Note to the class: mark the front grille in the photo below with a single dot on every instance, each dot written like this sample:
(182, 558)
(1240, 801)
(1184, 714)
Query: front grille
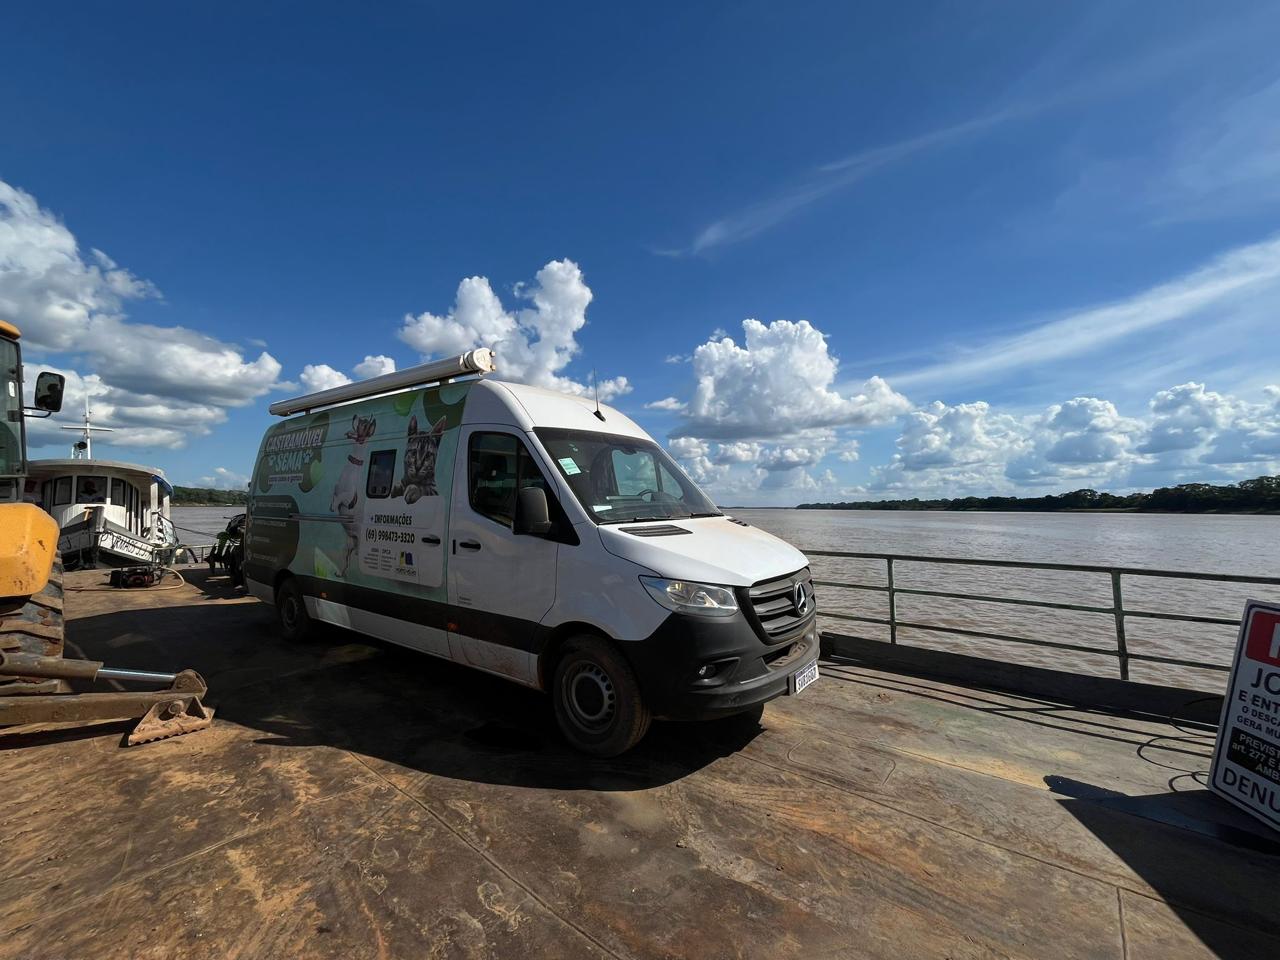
(773, 603)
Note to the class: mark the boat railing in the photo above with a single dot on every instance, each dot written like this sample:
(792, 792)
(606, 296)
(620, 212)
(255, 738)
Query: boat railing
(1117, 610)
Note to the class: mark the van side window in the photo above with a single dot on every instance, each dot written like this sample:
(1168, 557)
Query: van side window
(382, 468)
(500, 465)
(529, 474)
(491, 472)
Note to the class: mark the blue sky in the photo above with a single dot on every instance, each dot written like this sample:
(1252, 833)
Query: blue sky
(986, 247)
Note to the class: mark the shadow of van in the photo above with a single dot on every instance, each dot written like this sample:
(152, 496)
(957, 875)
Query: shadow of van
(354, 693)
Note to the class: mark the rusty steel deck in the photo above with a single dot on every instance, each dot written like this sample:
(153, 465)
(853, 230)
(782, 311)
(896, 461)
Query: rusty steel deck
(356, 800)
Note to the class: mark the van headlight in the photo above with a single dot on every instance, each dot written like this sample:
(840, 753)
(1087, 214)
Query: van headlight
(682, 596)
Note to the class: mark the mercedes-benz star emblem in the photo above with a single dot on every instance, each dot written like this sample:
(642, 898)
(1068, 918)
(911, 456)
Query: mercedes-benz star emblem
(801, 598)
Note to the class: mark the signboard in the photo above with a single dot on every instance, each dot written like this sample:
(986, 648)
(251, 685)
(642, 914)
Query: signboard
(1246, 760)
(126, 546)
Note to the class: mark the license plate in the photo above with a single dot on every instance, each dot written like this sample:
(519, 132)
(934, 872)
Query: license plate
(803, 677)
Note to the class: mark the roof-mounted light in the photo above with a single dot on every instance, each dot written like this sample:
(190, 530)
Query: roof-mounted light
(478, 361)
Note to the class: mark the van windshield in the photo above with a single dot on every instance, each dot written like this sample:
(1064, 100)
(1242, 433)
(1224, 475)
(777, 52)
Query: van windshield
(621, 479)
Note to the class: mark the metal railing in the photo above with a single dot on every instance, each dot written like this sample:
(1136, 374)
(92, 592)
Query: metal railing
(1117, 609)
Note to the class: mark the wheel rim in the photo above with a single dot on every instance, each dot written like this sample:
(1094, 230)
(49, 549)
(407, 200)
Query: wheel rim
(590, 696)
(289, 612)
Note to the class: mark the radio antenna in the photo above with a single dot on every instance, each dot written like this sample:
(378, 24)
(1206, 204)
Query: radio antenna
(595, 385)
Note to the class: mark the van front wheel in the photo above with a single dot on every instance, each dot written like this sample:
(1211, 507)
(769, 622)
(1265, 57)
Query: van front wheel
(597, 699)
(291, 611)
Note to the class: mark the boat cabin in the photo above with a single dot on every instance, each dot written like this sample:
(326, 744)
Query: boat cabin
(116, 507)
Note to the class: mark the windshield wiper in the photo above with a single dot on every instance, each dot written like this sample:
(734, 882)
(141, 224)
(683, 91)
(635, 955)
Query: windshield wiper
(694, 516)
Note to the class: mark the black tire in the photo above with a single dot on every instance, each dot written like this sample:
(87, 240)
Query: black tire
(597, 700)
(295, 623)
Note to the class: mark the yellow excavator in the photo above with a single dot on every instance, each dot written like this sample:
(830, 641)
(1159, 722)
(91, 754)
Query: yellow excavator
(36, 680)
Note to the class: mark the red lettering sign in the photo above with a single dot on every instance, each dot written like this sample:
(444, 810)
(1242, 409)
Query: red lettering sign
(1264, 638)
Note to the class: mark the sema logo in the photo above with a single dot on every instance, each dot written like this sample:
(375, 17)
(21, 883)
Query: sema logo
(1264, 639)
(291, 454)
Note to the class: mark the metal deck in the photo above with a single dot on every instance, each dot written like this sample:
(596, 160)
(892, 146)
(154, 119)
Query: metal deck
(356, 800)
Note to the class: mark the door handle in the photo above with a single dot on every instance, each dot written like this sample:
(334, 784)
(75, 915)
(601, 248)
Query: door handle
(469, 544)
(431, 539)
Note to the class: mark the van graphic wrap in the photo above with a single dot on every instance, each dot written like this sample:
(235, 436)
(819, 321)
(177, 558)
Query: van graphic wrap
(291, 454)
(367, 504)
(273, 538)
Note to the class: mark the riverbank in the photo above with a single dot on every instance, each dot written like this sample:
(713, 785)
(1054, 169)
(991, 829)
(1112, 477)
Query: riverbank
(1259, 495)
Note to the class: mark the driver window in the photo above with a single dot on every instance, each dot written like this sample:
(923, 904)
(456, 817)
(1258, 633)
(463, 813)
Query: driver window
(492, 472)
(499, 465)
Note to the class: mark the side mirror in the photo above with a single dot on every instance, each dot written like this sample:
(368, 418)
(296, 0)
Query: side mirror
(533, 516)
(49, 386)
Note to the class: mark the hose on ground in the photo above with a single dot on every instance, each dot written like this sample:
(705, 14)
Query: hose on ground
(182, 581)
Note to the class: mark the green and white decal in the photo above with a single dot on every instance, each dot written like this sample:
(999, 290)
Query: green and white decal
(359, 494)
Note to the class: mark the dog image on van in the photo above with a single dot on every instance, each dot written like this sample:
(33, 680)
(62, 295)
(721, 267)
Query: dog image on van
(346, 492)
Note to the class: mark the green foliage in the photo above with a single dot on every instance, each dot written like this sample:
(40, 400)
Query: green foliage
(1260, 495)
(205, 497)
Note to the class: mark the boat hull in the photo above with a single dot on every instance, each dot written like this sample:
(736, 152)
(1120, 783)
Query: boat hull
(87, 543)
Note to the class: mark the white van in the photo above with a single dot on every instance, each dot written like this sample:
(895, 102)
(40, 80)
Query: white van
(530, 534)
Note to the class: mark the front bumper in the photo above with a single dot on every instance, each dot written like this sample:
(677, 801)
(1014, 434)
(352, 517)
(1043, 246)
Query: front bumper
(748, 671)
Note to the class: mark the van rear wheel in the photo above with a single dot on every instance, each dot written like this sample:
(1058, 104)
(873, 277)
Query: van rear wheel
(597, 699)
(291, 611)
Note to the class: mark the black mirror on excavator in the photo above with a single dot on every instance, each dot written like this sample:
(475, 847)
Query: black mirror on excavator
(49, 387)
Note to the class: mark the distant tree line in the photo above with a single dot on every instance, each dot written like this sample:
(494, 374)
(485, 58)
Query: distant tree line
(207, 497)
(1259, 495)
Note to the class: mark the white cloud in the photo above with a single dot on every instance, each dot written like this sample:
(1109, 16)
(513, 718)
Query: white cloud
(533, 344)
(766, 414)
(374, 366)
(848, 452)
(66, 304)
(739, 451)
(1243, 272)
(1084, 441)
(1192, 424)
(678, 358)
(224, 479)
(780, 458)
(320, 376)
(1189, 433)
(136, 420)
(1186, 417)
(763, 215)
(667, 403)
(157, 384)
(778, 383)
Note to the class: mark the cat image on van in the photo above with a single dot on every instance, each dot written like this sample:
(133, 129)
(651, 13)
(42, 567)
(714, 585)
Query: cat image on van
(420, 451)
(346, 492)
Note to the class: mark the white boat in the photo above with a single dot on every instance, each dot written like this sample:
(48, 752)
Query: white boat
(109, 512)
